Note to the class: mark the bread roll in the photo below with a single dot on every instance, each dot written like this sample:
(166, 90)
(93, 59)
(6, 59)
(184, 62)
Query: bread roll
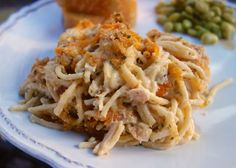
(97, 10)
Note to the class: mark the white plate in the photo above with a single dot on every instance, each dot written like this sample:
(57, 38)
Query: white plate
(32, 33)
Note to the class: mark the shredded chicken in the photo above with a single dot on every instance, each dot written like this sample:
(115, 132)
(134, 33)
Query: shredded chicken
(140, 131)
(138, 95)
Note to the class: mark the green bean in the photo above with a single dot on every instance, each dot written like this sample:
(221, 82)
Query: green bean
(187, 24)
(217, 10)
(211, 14)
(219, 4)
(227, 35)
(217, 31)
(159, 6)
(198, 27)
(178, 27)
(234, 23)
(174, 17)
(161, 19)
(200, 30)
(201, 6)
(186, 15)
(205, 17)
(227, 30)
(212, 26)
(197, 21)
(180, 4)
(168, 27)
(165, 10)
(192, 32)
(189, 9)
(228, 17)
(209, 38)
(216, 19)
(229, 10)
(227, 26)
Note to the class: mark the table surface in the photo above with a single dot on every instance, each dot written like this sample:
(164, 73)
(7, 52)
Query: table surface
(13, 157)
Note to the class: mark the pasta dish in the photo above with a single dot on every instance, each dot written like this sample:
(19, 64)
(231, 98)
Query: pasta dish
(119, 88)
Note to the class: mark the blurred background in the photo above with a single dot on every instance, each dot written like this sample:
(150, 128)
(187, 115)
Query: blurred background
(11, 157)
(9, 6)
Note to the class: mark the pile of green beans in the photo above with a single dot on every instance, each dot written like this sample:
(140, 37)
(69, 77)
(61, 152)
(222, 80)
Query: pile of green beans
(208, 20)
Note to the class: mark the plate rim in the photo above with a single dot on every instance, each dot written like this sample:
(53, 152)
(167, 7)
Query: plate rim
(25, 146)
